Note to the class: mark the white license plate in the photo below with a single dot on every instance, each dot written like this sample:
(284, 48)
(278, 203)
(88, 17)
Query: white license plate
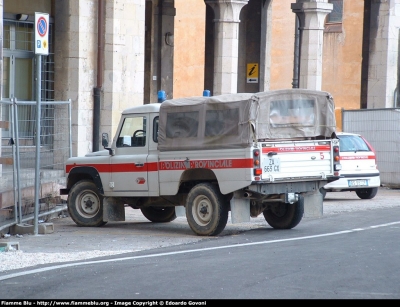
(358, 183)
(271, 165)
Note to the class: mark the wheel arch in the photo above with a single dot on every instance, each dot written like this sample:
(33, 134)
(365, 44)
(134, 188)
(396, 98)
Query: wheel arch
(202, 175)
(85, 172)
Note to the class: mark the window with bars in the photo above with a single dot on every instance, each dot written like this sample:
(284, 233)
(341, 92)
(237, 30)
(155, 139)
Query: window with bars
(19, 71)
(336, 15)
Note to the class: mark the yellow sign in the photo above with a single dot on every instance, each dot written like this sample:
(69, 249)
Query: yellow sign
(252, 73)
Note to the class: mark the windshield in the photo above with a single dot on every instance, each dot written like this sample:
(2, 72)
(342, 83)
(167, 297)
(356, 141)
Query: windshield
(350, 143)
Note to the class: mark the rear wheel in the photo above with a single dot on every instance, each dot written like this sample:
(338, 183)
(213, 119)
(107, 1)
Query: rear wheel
(85, 204)
(285, 216)
(367, 193)
(159, 214)
(206, 210)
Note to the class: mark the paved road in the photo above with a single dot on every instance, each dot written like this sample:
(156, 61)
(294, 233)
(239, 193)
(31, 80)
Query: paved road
(350, 255)
(69, 242)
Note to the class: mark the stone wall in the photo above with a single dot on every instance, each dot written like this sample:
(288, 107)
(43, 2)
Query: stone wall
(76, 53)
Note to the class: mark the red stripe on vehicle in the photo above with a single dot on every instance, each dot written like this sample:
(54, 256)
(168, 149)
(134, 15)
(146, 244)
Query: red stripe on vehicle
(311, 148)
(152, 167)
(209, 164)
(357, 157)
(167, 165)
(116, 168)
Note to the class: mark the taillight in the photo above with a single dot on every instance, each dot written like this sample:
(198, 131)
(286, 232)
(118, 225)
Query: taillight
(336, 156)
(257, 172)
(257, 163)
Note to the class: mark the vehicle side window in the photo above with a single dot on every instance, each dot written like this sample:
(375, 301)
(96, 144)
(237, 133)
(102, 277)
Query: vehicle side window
(133, 132)
(155, 130)
(182, 125)
(222, 122)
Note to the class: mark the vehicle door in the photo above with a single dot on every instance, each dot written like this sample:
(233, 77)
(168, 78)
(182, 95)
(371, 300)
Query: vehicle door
(129, 168)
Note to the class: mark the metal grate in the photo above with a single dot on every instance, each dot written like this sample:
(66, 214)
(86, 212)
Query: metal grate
(19, 43)
(18, 157)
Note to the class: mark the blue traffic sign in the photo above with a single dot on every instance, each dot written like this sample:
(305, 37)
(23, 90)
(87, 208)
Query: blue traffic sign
(42, 26)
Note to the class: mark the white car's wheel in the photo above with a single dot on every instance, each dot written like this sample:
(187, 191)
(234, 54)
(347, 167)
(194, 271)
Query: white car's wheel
(367, 193)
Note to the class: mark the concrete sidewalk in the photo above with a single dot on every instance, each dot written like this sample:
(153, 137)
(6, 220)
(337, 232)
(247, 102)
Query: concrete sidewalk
(69, 242)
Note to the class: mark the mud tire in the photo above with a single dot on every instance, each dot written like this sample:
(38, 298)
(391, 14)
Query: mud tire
(285, 216)
(159, 214)
(206, 210)
(85, 204)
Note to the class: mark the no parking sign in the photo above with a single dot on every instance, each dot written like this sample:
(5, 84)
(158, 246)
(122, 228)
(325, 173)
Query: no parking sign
(42, 33)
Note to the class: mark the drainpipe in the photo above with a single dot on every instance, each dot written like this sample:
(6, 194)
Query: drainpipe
(100, 69)
(296, 65)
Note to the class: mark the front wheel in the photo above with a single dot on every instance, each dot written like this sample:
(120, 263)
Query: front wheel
(159, 214)
(285, 216)
(85, 204)
(367, 193)
(206, 210)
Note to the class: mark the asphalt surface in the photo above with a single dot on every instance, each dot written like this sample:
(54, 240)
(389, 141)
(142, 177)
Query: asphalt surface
(69, 242)
(351, 252)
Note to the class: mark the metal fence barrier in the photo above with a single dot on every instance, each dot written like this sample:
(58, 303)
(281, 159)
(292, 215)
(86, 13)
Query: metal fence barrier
(381, 128)
(32, 167)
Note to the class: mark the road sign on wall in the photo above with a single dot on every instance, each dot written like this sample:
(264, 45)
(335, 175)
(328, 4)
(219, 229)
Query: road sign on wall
(42, 33)
(252, 72)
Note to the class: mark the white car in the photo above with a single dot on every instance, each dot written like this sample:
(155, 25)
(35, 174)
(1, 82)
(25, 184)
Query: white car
(359, 169)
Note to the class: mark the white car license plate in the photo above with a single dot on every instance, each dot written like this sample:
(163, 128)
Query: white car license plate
(358, 183)
(271, 165)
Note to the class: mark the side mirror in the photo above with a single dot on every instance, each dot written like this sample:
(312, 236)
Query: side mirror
(104, 140)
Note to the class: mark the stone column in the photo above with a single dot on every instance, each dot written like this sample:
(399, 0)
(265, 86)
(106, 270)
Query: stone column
(312, 15)
(123, 60)
(266, 46)
(226, 44)
(167, 14)
(1, 68)
(76, 57)
(384, 59)
(1, 49)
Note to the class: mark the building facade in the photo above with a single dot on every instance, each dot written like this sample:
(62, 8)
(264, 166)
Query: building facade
(107, 55)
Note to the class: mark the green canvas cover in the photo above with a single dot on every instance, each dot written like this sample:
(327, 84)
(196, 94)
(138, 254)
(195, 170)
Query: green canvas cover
(238, 120)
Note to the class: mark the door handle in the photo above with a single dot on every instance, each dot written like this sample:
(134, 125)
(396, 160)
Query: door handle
(139, 164)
